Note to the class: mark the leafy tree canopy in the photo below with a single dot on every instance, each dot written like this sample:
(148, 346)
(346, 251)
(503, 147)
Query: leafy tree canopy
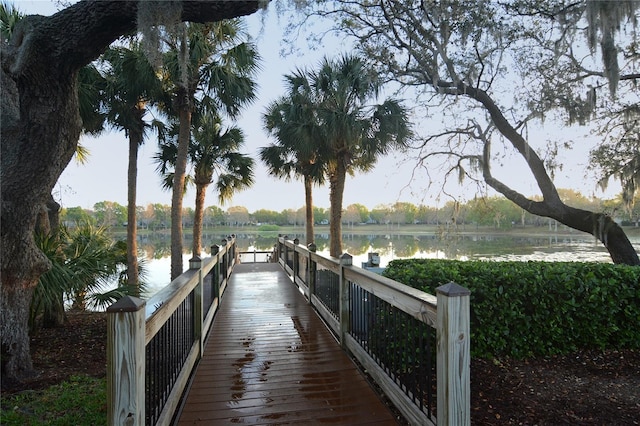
(493, 72)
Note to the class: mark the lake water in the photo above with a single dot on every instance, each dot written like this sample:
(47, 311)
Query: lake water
(555, 248)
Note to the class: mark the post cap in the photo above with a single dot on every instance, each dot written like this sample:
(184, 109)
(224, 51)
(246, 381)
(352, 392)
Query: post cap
(127, 304)
(346, 259)
(195, 262)
(453, 290)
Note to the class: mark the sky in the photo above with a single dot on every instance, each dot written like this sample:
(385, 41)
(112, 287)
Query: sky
(104, 177)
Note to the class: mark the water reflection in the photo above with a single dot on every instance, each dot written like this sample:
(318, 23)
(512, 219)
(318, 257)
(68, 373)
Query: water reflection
(564, 247)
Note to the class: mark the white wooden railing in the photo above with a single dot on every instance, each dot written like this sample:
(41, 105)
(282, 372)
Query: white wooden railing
(363, 309)
(153, 345)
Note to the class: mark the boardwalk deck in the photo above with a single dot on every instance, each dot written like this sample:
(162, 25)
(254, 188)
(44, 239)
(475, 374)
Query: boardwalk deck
(270, 360)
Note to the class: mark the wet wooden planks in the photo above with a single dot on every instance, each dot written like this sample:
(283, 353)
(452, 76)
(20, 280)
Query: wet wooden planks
(270, 360)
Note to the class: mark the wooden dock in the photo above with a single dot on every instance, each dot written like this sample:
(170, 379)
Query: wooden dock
(269, 359)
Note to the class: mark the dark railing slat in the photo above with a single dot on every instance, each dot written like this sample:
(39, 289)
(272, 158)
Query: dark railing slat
(172, 344)
(390, 328)
(394, 328)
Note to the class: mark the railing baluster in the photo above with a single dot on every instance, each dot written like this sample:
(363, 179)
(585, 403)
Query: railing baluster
(312, 272)
(389, 327)
(173, 330)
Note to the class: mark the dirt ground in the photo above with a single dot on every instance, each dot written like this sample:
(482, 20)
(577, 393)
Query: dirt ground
(586, 388)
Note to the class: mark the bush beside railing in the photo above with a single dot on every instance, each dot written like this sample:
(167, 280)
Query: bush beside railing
(153, 346)
(391, 329)
(523, 309)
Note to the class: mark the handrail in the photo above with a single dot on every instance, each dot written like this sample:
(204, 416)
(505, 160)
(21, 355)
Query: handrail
(374, 316)
(153, 346)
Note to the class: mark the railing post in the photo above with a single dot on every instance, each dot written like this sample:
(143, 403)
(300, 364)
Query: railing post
(215, 272)
(296, 266)
(126, 362)
(224, 260)
(198, 304)
(311, 279)
(453, 357)
(234, 252)
(345, 260)
(229, 255)
(285, 250)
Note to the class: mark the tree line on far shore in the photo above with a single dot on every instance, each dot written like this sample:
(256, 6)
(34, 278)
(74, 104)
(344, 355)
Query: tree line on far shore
(497, 212)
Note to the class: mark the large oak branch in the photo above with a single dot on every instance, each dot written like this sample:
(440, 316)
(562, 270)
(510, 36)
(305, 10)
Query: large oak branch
(597, 224)
(81, 32)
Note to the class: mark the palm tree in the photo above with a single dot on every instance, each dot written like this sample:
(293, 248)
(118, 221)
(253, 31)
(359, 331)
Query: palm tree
(205, 59)
(132, 86)
(353, 133)
(296, 151)
(84, 261)
(211, 150)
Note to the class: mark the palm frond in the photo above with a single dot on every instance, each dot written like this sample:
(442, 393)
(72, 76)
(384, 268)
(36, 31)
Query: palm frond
(9, 17)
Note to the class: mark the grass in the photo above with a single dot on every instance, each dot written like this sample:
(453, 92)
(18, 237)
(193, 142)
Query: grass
(81, 400)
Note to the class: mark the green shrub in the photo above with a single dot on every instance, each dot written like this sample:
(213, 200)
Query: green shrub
(522, 309)
(268, 228)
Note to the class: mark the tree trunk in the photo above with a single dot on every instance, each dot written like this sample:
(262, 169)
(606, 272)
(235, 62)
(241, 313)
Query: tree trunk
(604, 228)
(36, 146)
(201, 192)
(308, 204)
(184, 136)
(16, 357)
(336, 192)
(132, 220)
(54, 313)
(597, 224)
(48, 220)
(40, 131)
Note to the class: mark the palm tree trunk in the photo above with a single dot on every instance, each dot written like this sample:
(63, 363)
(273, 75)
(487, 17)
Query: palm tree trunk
(308, 201)
(336, 192)
(201, 191)
(132, 221)
(178, 190)
(40, 130)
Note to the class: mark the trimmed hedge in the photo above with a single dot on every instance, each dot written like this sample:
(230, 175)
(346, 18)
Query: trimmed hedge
(523, 309)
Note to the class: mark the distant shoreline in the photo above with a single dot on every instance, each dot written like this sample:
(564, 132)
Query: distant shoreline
(417, 229)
